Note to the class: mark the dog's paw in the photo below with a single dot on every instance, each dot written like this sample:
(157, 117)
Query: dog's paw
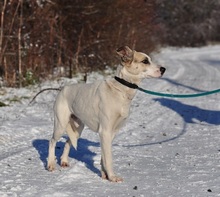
(51, 167)
(115, 179)
(104, 175)
(64, 164)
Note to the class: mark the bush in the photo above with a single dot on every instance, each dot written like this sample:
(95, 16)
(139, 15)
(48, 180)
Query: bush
(29, 79)
(77, 36)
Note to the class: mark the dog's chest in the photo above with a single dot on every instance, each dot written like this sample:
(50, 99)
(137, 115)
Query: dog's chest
(124, 111)
(120, 117)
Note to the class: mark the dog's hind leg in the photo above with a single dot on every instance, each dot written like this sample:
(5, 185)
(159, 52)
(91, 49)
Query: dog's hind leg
(51, 153)
(74, 130)
(52, 145)
(61, 120)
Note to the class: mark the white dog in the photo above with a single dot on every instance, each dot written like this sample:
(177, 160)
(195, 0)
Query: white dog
(103, 106)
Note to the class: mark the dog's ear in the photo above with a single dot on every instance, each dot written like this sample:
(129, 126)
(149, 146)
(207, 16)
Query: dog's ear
(125, 53)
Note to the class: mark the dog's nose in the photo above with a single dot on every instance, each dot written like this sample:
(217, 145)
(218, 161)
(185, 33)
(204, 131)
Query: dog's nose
(162, 70)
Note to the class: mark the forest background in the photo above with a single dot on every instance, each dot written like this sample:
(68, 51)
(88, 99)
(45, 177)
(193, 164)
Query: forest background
(46, 39)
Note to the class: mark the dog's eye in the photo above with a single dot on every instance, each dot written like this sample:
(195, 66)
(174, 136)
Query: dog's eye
(146, 61)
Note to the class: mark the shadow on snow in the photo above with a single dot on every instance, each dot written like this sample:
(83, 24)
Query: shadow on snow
(189, 114)
(82, 154)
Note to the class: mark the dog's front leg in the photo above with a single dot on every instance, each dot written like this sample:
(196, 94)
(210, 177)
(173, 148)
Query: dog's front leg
(106, 139)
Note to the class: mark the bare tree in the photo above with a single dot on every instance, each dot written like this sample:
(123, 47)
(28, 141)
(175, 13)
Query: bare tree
(70, 35)
(1, 39)
(19, 43)
(2, 25)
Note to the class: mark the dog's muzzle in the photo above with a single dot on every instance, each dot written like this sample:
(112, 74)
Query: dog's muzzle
(162, 70)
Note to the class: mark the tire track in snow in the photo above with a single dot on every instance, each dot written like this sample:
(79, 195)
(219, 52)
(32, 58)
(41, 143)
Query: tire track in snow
(22, 171)
(191, 69)
(18, 161)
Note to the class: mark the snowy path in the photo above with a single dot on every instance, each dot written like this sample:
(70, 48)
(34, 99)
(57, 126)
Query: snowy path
(169, 147)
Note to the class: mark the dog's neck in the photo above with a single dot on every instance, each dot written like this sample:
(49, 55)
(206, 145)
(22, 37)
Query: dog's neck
(124, 74)
(128, 92)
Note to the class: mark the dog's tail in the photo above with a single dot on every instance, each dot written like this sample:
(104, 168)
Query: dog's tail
(46, 89)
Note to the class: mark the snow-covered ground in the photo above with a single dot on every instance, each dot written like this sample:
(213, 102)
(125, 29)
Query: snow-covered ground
(169, 147)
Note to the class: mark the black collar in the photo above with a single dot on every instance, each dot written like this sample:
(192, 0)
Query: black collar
(126, 83)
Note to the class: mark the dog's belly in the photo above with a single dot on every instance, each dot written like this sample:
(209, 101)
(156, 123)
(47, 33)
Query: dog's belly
(83, 101)
(95, 117)
(89, 119)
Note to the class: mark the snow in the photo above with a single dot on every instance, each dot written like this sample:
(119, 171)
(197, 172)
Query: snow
(168, 147)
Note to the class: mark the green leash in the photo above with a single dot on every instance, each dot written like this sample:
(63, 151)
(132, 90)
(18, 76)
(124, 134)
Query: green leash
(179, 95)
(134, 86)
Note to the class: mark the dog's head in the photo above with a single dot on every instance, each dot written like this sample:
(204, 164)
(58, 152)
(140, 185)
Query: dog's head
(139, 64)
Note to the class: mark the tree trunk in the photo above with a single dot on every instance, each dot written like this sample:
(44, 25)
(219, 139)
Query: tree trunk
(2, 29)
(19, 44)
(78, 50)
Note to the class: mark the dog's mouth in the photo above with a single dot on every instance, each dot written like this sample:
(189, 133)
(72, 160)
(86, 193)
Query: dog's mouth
(162, 70)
